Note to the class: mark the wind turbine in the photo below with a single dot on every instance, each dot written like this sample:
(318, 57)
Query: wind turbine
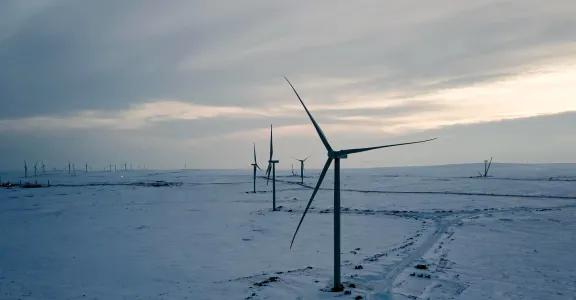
(255, 166)
(302, 168)
(335, 156)
(272, 167)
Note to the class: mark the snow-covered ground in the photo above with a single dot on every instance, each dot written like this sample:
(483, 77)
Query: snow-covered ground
(205, 236)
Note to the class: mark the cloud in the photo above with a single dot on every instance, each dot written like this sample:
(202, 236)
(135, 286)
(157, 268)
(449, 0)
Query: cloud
(535, 92)
(541, 91)
(211, 72)
(66, 56)
(137, 116)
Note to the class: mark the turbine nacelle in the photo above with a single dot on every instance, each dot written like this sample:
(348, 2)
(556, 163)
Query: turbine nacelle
(338, 154)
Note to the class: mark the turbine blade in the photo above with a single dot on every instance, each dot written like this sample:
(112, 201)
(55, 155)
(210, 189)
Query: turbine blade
(350, 151)
(307, 157)
(326, 166)
(255, 162)
(271, 144)
(268, 173)
(257, 165)
(318, 129)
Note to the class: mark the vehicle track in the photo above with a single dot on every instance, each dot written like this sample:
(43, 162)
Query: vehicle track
(383, 288)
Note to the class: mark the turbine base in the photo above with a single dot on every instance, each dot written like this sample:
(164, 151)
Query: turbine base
(337, 289)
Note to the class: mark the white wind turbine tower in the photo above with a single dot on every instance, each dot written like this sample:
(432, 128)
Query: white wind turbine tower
(335, 156)
(302, 168)
(255, 166)
(272, 167)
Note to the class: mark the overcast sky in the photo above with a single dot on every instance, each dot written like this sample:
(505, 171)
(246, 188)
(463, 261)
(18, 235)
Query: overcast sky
(162, 83)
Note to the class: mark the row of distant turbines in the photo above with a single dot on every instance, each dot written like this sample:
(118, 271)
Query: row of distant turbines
(40, 168)
(332, 156)
(271, 169)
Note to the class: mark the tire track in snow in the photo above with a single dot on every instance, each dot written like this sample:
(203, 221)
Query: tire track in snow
(383, 288)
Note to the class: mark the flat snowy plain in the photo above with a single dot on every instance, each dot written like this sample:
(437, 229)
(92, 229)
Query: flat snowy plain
(116, 236)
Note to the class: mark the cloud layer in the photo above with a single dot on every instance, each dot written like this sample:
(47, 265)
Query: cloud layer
(210, 72)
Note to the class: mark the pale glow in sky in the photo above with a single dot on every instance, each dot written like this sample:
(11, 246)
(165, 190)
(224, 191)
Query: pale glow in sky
(540, 92)
(543, 91)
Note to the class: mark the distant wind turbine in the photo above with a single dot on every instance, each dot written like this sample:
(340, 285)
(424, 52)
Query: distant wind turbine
(272, 167)
(487, 165)
(336, 156)
(255, 166)
(302, 168)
